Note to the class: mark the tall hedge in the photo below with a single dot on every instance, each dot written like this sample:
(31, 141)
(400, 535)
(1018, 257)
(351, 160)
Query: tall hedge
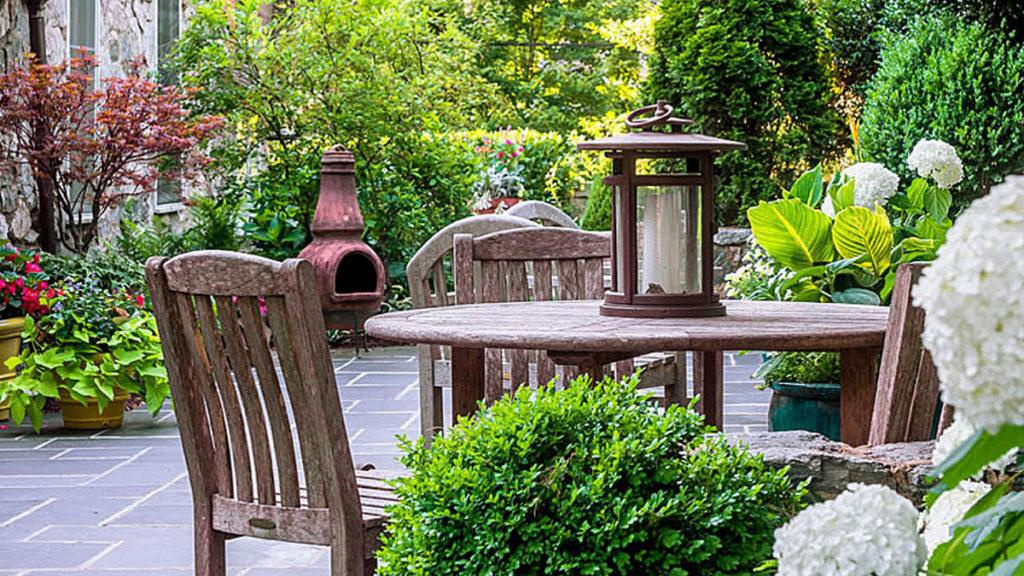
(749, 70)
(961, 83)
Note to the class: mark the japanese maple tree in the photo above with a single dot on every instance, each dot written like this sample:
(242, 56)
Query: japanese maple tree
(95, 145)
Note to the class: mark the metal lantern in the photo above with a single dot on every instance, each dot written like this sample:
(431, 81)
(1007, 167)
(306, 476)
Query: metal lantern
(662, 223)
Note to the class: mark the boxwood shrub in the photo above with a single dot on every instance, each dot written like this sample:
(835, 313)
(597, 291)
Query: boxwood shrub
(590, 480)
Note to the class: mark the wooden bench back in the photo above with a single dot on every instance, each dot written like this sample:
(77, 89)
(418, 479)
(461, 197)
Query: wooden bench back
(907, 396)
(543, 213)
(524, 265)
(219, 315)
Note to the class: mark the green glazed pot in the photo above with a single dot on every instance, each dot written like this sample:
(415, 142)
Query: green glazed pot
(812, 407)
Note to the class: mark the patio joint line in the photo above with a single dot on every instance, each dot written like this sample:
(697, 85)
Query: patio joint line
(27, 512)
(118, 466)
(110, 548)
(142, 500)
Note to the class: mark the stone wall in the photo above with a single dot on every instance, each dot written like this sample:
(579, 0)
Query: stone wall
(731, 244)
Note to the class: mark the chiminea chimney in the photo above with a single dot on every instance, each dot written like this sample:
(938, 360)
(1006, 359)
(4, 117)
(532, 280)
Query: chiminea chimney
(350, 277)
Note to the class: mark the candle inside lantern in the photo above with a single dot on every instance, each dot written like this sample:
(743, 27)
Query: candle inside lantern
(667, 217)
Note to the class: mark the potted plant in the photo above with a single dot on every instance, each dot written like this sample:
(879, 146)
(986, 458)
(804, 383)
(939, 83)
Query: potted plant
(23, 289)
(501, 183)
(841, 241)
(89, 352)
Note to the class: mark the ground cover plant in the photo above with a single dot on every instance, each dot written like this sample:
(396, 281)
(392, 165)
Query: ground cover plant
(595, 479)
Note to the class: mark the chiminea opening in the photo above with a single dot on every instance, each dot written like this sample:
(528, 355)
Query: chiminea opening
(356, 273)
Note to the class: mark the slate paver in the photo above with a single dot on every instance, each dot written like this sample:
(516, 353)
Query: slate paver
(117, 502)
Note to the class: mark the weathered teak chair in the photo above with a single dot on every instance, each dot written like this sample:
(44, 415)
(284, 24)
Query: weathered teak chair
(529, 264)
(430, 286)
(907, 396)
(542, 213)
(236, 411)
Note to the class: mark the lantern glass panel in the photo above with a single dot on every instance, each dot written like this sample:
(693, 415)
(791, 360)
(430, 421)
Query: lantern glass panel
(668, 239)
(621, 257)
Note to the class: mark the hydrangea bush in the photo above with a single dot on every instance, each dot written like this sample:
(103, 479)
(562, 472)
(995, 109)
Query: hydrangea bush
(865, 531)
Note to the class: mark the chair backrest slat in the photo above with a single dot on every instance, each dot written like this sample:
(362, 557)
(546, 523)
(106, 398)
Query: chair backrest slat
(241, 473)
(907, 394)
(234, 403)
(284, 341)
(542, 212)
(252, 405)
(273, 398)
(506, 260)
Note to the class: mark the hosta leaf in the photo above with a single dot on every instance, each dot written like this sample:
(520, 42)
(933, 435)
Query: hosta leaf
(856, 296)
(792, 232)
(858, 231)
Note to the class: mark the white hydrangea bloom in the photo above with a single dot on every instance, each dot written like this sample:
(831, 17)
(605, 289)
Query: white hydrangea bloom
(867, 530)
(973, 295)
(948, 509)
(958, 433)
(873, 184)
(937, 160)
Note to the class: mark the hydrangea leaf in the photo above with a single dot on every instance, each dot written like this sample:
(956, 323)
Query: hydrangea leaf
(858, 231)
(937, 202)
(792, 232)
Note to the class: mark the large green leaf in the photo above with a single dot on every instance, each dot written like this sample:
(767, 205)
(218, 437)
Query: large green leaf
(808, 188)
(858, 231)
(792, 232)
(937, 202)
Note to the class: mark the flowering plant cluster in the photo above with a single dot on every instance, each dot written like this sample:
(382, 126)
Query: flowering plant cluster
(843, 239)
(24, 286)
(974, 324)
(91, 342)
(865, 531)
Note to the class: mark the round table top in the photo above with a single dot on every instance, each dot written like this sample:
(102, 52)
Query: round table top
(576, 326)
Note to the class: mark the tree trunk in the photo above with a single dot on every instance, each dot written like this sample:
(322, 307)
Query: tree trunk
(37, 45)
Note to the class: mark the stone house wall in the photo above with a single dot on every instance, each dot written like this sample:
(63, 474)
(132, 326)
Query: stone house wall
(125, 30)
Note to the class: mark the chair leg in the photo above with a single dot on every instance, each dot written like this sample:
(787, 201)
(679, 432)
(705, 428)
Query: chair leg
(209, 549)
(675, 393)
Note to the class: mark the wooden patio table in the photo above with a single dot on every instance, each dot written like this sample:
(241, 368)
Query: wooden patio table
(574, 334)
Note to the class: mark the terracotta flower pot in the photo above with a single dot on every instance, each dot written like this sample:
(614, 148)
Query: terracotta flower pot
(88, 417)
(496, 202)
(10, 344)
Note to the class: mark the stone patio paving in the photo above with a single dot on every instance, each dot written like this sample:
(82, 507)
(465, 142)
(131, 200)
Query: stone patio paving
(117, 503)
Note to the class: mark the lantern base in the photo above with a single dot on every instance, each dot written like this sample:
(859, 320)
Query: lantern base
(708, 310)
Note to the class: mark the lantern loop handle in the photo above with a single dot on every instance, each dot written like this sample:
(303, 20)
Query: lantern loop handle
(661, 113)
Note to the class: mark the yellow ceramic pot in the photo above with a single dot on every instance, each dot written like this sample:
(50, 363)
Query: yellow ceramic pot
(88, 417)
(10, 344)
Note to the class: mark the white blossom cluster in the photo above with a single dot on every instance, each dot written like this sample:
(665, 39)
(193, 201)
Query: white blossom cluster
(867, 530)
(958, 433)
(948, 509)
(873, 184)
(937, 160)
(973, 296)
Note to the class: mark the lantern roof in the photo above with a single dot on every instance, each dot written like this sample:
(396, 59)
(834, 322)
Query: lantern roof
(650, 138)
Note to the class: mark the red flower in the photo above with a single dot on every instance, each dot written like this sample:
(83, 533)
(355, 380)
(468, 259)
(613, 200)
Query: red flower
(501, 154)
(140, 300)
(32, 267)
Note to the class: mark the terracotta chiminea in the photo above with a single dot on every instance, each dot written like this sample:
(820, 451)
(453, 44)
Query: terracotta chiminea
(350, 277)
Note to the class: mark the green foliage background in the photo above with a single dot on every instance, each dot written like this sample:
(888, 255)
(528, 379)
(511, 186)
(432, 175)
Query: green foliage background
(960, 83)
(748, 70)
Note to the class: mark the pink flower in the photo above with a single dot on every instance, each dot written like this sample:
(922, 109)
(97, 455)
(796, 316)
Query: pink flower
(32, 267)
(140, 300)
(514, 154)
(508, 142)
(501, 154)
